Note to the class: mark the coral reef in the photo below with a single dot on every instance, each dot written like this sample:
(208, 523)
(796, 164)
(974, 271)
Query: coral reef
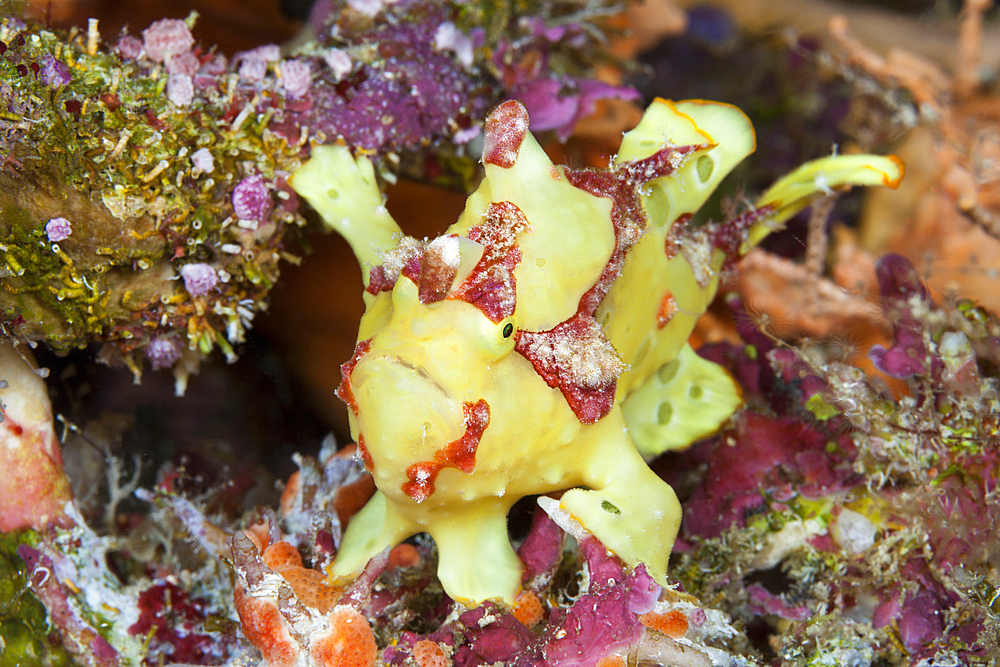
(839, 507)
(869, 522)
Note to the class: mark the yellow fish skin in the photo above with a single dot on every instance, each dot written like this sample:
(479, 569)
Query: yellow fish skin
(494, 361)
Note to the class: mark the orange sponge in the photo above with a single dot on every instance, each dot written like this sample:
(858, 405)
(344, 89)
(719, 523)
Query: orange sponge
(673, 623)
(348, 641)
(429, 653)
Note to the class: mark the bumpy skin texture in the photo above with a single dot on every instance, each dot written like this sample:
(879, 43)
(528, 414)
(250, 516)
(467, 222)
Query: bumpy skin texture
(494, 361)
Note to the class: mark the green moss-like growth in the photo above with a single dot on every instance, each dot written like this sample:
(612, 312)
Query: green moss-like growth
(27, 637)
(93, 136)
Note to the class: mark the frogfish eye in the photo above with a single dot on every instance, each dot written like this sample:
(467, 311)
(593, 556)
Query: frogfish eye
(508, 330)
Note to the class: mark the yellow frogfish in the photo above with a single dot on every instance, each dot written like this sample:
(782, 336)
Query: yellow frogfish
(540, 343)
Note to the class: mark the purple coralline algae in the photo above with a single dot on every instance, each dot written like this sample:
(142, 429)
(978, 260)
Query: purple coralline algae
(171, 620)
(129, 47)
(902, 294)
(436, 72)
(251, 199)
(199, 278)
(339, 63)
(54, 72)
(167, 38)
(296, 78)
(554, 102)
(410, 94)
(253, 64)
(58, 229)
(162, 352)
(369, 8)
(828, 479)
(202, 161)
(449, 38)
(541, 550)
(180, 89)
(558, 104)
(602, 620)
(766, 453)
(186, 63)
(764, 603)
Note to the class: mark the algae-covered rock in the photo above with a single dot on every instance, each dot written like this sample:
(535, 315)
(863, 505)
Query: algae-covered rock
(113, 181)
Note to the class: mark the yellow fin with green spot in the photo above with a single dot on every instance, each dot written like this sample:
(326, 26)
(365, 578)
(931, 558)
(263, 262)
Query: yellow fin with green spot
(689, 398)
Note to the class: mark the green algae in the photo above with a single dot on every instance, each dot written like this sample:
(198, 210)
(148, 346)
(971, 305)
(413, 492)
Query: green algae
(109, 151)
(26, 638)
